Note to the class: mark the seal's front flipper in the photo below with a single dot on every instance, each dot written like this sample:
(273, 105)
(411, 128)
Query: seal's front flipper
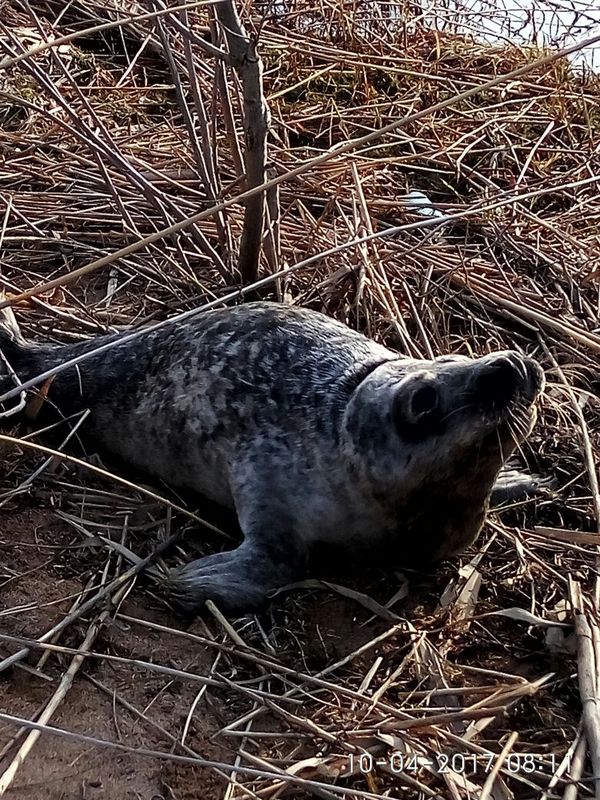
(513, 486)
(237, 581)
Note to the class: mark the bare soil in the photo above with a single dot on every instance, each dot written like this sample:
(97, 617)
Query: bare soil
(44, 567)
(59, 769)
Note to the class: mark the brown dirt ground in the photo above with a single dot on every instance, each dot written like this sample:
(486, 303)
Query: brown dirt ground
(58, 769)
(42, 567)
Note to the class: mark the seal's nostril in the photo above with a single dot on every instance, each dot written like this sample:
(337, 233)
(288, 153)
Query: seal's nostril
(496, 382)
(423, 401)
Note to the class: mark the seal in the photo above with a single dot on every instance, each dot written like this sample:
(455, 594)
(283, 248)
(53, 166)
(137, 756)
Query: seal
(312, 432)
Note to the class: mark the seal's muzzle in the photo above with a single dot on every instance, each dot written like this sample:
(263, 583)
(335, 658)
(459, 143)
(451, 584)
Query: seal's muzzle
(504, 378)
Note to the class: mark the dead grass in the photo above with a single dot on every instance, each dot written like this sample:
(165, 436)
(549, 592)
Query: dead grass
(103, 144)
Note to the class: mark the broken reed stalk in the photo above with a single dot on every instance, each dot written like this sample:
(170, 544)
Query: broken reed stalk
(244, 58)
(588, 664)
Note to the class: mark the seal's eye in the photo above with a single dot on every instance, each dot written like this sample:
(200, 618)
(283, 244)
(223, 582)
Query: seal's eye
(417, 410)
(424, 401)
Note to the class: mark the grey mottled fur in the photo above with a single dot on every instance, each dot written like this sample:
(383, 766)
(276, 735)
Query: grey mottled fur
(310, 431)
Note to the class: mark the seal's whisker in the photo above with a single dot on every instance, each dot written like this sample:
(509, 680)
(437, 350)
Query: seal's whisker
(518, 429)
(500, 447)
(455, 411)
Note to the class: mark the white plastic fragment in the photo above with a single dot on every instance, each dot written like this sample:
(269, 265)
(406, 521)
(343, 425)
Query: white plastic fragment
(419, 203)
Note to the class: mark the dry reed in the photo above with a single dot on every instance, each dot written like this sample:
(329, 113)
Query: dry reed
(123, 130)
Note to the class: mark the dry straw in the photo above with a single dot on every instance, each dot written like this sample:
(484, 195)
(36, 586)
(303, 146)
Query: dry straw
(122, 188)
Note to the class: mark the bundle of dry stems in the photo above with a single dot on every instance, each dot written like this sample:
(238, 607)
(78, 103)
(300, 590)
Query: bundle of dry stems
(121, 120)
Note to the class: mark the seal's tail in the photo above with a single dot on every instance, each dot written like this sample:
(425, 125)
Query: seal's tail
(12, 348)
(10, 334)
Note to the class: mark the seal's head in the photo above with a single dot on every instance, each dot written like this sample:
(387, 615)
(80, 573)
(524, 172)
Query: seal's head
(430, 437)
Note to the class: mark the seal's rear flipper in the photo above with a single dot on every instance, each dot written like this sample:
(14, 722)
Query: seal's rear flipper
(513, 486)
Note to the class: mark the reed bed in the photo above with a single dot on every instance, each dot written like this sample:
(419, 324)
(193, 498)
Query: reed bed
(478, 680)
